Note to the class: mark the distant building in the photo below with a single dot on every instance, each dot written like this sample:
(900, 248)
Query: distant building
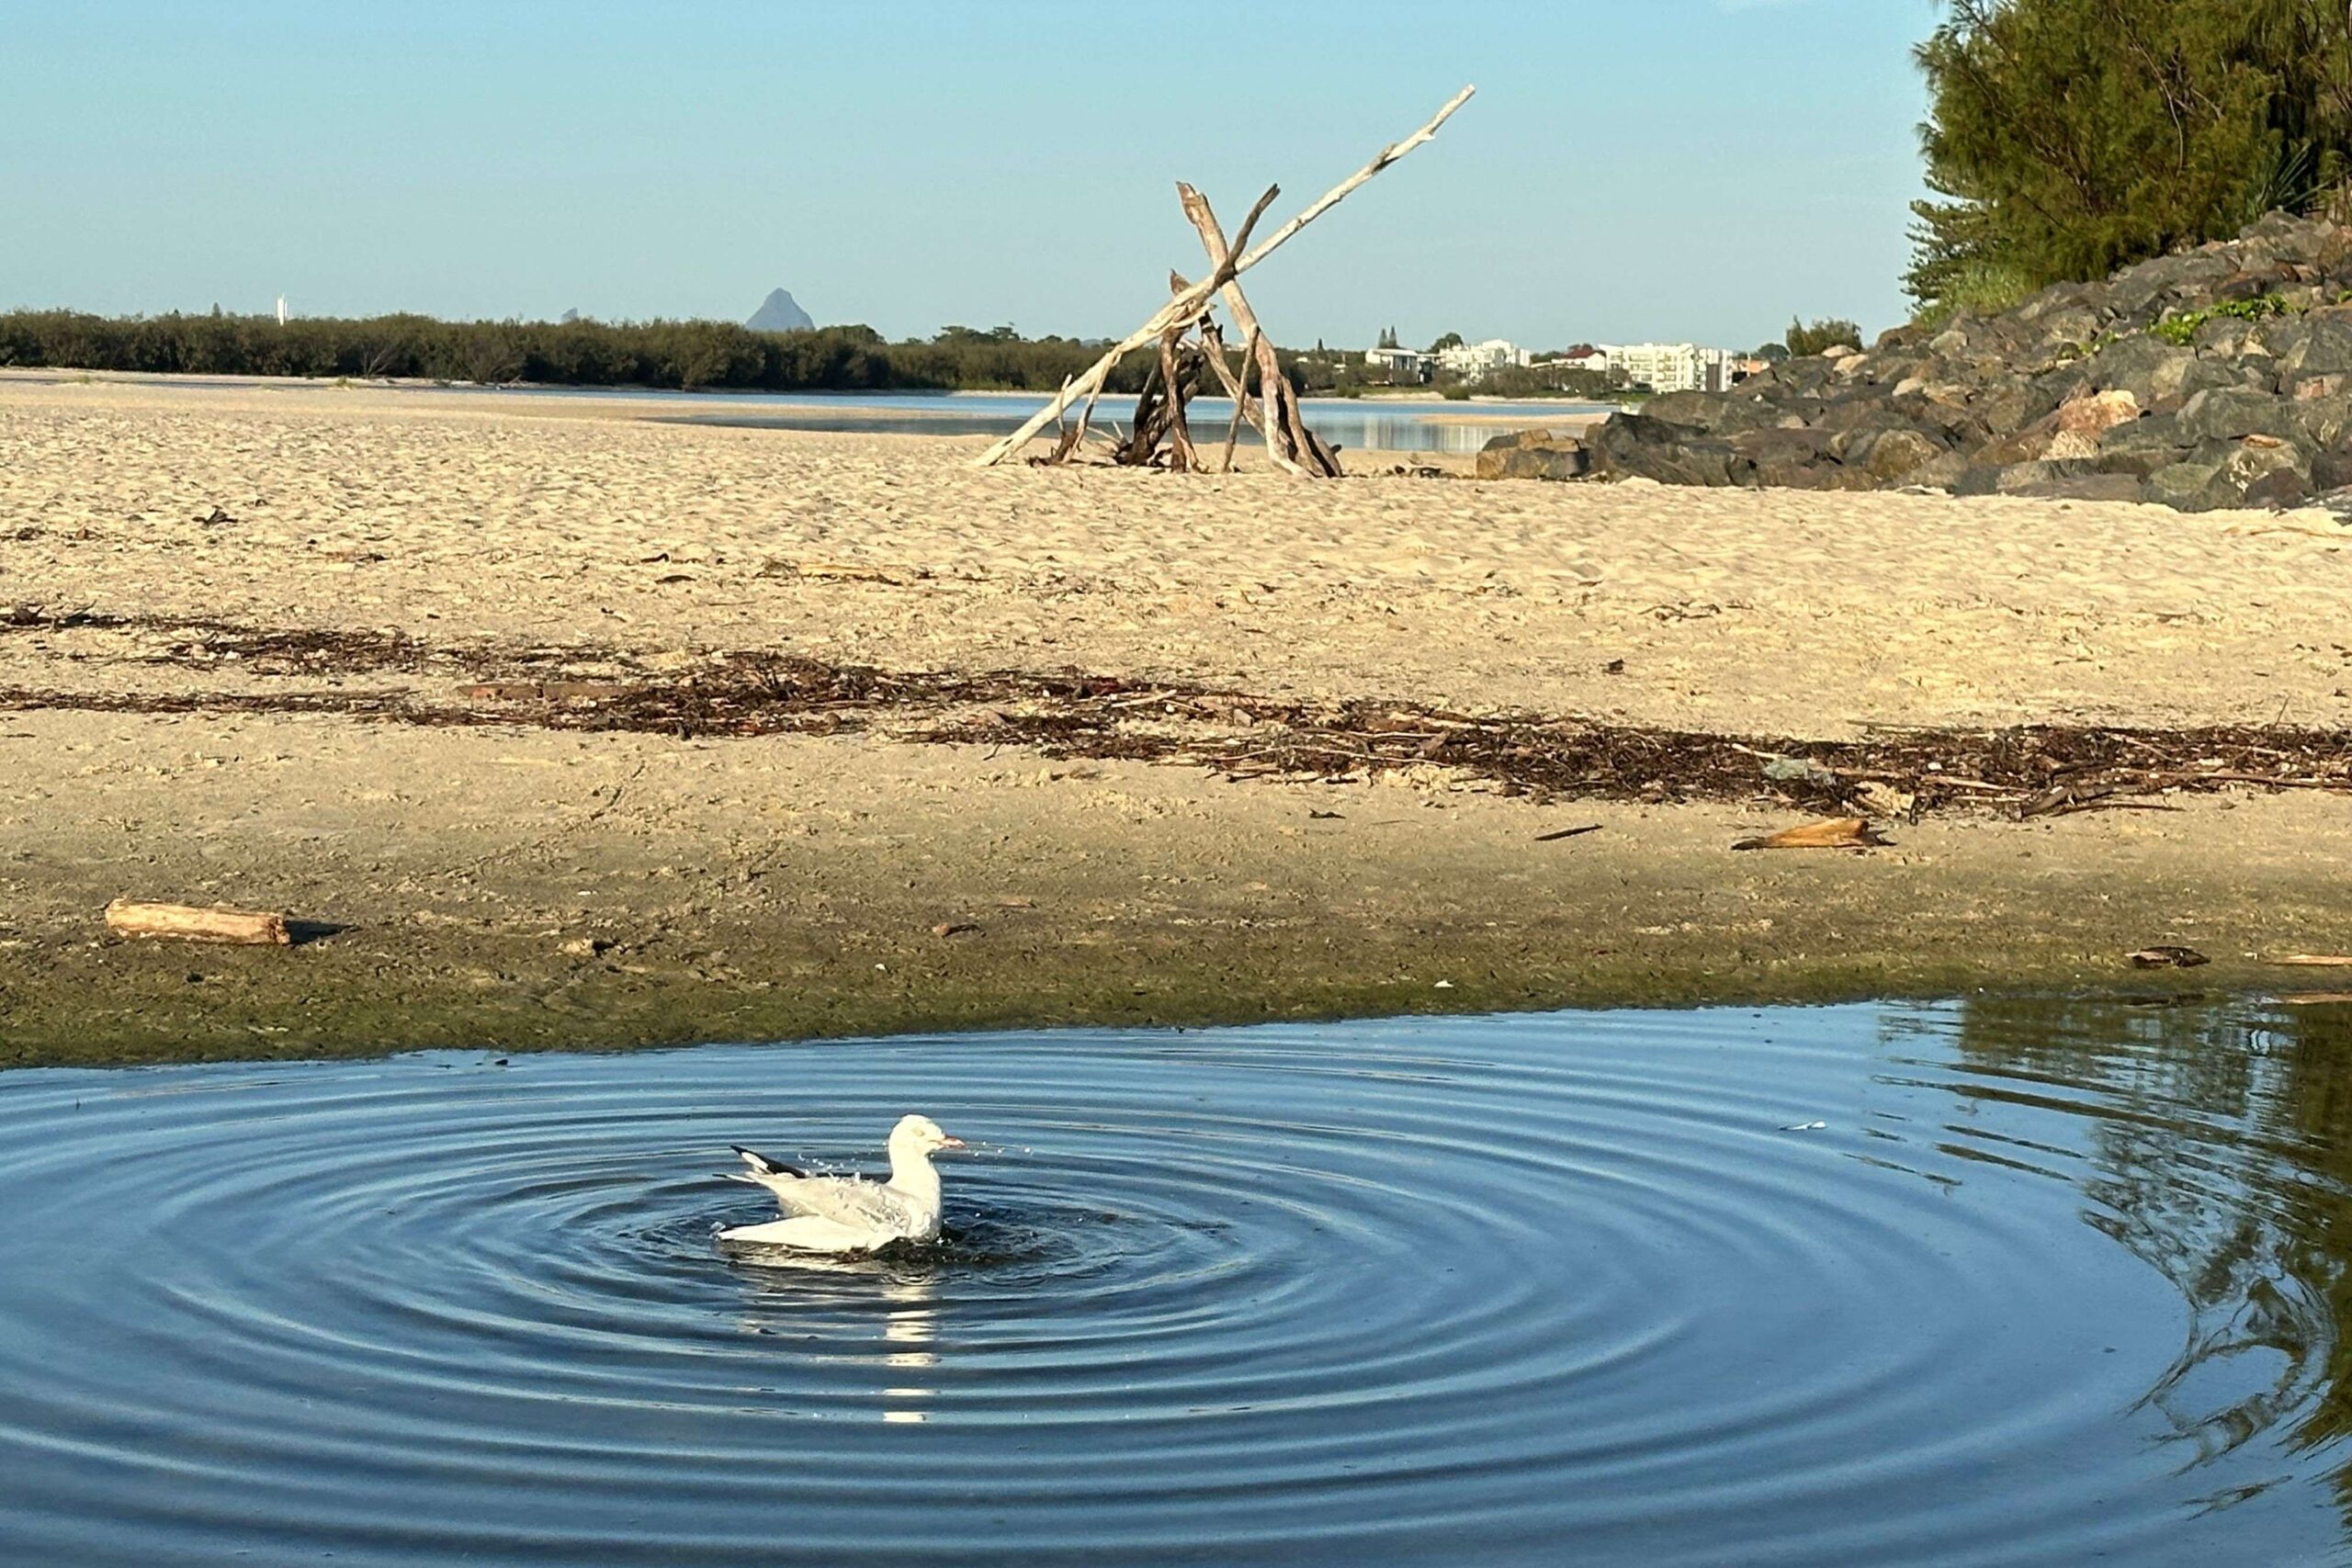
(1404, 366)
(1671, 366)
(1583, 356)
(1473, 360)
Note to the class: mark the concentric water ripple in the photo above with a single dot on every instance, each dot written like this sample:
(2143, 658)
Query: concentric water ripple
(1534, 1290)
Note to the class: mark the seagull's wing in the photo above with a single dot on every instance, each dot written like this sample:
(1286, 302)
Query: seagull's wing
(762, 1166)
(804, 1233)
(845, 1199)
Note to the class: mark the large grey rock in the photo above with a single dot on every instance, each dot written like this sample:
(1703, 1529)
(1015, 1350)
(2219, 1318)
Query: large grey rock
(2067, 395)
(2322, 346)
(2008, 406)
(2267, 472)
(2148, 368)
(2036, 479)
(2229, 415)
(2324, 419)
(1785, 459)
(2260, 472)
(1941, 473)
(2079, 486)
(2188, 487)
(2332, 470)
(2139, 291)
(1533, 455)
(1888, 456)
(1632, 445)
(2217, 374)
(2141, 447)
(1699, 410)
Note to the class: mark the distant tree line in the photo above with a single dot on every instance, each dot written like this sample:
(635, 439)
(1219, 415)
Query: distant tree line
(2066, 138)
(689, 355)
(693, 356)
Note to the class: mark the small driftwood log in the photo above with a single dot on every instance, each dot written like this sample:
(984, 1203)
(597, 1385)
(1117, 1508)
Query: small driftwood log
(1186, 307)
(189, 924)
(1837, 833)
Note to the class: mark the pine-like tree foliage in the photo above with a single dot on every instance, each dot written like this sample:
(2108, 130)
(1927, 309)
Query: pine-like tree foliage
(2069, 138)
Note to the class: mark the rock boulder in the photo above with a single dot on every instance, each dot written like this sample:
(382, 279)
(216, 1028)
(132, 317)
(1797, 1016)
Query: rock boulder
(2244, 397)
(1533, 455)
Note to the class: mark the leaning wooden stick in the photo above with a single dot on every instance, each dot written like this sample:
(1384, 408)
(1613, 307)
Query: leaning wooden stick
(1187, 305)
(188, 923)
(1287, 441)
(1172, 375)
(1238, 388)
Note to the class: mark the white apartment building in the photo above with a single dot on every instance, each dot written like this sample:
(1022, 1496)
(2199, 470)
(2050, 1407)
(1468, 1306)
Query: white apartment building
(1472, 360)
(1597, 360)
(1403, 365)
(1671, 366)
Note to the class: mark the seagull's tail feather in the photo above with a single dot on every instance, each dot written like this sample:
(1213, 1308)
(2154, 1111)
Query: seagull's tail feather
(762, 1166)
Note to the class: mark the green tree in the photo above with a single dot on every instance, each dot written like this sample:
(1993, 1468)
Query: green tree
(1822, 336)
(2068, 138)
(1451, 339)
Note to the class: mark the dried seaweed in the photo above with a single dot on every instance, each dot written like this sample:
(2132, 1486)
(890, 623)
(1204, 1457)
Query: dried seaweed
(2023, 771)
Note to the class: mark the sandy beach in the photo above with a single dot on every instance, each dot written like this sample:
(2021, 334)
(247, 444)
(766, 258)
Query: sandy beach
(225, 608)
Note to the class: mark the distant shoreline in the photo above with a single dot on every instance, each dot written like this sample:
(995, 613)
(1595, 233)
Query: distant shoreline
(58, 375)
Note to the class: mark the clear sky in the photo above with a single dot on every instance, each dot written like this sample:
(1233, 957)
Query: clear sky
(1630, 169)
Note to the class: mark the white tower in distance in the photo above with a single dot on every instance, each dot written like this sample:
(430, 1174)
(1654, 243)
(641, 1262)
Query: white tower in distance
(281, 309)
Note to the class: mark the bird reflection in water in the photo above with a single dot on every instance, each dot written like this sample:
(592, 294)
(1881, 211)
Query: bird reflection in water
(813, 1297)
(913, 1327)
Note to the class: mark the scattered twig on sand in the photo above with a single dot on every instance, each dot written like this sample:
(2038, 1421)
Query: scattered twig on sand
(1840, 833)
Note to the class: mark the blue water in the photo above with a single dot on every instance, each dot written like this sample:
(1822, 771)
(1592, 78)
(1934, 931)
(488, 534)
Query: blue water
(1350, 425)
(1383, 423)
(2049, 1283)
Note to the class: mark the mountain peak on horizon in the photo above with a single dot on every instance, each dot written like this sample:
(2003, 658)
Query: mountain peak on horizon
(779, 312)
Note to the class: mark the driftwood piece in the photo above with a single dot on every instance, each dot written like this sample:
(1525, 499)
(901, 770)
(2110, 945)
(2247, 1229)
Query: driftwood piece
(1294, 449)
(1187, 305)
(1085, 414)
(1238, 388)
(1272, 426)
(1839, 833)
(189, 924)
(1135, 449)
(1180, 456)
(1069, 440)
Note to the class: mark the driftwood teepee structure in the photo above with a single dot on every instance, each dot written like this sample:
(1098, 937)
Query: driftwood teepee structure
(1192, 348)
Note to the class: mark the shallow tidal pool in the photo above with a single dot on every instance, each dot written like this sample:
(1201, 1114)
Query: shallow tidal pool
(1991, 1282)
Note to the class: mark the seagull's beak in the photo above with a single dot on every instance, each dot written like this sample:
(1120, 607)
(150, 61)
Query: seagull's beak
(947, 1143)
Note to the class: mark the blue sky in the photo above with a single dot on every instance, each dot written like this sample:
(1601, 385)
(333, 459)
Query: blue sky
(1630, 168)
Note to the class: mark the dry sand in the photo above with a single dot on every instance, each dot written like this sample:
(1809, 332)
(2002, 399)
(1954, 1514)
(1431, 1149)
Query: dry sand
(791, 884)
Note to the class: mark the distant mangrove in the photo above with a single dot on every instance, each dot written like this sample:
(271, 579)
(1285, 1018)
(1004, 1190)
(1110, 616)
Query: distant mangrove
(581, 352)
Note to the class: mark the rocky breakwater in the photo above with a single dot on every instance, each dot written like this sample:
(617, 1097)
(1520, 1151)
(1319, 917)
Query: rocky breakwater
(2217, 376)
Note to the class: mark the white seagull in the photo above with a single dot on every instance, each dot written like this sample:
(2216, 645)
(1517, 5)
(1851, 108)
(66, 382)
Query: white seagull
(849, 1214)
